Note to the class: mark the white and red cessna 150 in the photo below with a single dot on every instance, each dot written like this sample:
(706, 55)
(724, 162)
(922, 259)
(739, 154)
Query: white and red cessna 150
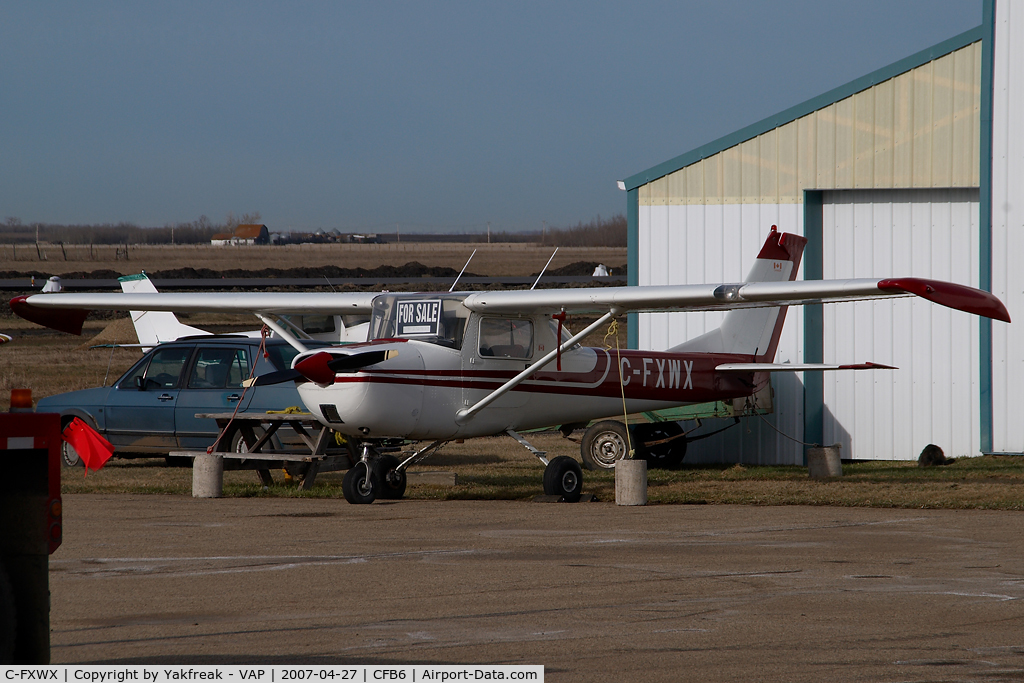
(443, 366)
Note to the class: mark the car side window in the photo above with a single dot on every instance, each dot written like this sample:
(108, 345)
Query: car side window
(161, 372)
(219, 368)
(506, 338)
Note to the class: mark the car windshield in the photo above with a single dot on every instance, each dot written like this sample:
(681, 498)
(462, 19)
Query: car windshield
(435, 318)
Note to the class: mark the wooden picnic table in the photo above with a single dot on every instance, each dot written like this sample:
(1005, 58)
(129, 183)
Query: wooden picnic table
(316, 437)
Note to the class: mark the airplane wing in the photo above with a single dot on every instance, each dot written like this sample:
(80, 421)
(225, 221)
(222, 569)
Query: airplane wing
(733, 296)
(66, 312)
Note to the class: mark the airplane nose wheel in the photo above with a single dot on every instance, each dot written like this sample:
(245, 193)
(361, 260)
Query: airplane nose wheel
(564, 477)
(360, 484)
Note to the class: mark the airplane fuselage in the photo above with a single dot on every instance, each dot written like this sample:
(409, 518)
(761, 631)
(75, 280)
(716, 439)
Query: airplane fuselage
(417, 394)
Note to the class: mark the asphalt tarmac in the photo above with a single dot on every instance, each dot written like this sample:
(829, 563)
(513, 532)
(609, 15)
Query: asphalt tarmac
(592, 591)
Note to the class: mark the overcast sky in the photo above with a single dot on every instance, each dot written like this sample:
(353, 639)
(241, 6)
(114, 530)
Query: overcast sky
(438, 116)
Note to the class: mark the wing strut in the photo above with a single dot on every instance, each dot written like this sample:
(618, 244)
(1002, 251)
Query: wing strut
(272, 324)
(465, 414)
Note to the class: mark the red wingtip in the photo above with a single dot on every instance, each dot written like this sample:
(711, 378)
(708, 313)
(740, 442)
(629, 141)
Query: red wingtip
(68, 320)
(960, 297)
(315, 369)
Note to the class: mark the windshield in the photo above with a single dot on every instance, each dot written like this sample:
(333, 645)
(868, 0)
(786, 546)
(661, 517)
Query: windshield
(435, 318)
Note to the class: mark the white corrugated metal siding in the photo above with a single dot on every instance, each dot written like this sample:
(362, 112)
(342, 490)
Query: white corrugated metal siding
(1008, 227)
(705, 222)
(695, 244)
(934, 396)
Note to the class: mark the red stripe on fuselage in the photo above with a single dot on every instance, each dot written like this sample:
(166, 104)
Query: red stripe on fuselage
(682, 378)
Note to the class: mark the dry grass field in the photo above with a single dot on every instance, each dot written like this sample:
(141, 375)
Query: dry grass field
(491, 260)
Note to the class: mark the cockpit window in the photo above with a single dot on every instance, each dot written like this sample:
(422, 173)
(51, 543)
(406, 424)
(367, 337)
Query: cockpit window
(506, 337)
(438, 319)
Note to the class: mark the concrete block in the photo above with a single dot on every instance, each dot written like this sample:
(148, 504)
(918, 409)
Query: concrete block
(631, 482)
(824, 462)
(207, 476)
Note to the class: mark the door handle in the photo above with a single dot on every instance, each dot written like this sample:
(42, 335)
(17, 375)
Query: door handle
(165, 397)
(234, 397)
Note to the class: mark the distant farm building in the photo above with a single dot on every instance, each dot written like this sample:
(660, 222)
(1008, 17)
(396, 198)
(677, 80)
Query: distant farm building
(243, 234)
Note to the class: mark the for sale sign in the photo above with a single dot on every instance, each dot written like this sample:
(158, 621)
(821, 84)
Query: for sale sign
(419, 318)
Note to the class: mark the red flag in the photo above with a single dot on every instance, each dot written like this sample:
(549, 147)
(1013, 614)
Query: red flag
(92, 448)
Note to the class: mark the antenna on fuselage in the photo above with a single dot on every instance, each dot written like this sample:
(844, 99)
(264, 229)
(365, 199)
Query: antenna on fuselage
(452, 288)
(544, 269)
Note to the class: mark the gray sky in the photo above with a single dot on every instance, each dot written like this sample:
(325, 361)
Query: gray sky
(438, 116)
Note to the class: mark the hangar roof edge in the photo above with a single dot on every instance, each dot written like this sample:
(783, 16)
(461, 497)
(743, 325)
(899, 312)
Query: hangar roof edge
(804, 108)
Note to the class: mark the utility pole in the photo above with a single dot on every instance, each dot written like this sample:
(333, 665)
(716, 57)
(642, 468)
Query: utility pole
(488, 232)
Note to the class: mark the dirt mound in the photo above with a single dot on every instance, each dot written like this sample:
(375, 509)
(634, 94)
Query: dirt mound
(120, 331)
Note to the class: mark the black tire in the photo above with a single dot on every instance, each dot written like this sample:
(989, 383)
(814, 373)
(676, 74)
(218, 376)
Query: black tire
(7, 620)
(564, 477)
(604, 444)
(354, 482)
(664, 455)
(392, 482)
(69, 457)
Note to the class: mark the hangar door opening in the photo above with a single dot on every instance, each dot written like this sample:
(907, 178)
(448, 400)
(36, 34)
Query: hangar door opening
(934, 395)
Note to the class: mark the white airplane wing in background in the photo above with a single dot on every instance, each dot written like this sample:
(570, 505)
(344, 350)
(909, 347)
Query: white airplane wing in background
(66, 312)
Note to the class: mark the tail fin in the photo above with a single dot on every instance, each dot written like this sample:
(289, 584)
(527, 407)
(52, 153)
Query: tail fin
(153, 327)
(756, 331)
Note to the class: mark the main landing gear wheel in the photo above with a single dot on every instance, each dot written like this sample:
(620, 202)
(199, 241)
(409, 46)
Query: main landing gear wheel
(360, 484)
(392, 482)
(564, 477)
(604, 444)
(667, 454)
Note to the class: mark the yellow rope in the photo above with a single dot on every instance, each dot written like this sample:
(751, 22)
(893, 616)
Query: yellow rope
(290, 410)
(613, 329)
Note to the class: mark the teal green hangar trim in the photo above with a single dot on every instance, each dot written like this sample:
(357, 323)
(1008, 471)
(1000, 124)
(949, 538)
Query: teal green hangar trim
(814, 324)
(988, 25)
(808, 107)
(633, 262)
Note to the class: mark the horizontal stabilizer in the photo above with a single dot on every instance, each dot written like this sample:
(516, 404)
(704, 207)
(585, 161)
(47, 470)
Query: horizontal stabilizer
(798, 367)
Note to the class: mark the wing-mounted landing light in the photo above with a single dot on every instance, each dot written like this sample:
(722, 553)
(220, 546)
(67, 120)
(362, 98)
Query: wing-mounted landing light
(321, 367)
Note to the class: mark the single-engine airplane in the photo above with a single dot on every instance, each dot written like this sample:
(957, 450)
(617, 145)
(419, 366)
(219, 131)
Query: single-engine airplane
(443, 366)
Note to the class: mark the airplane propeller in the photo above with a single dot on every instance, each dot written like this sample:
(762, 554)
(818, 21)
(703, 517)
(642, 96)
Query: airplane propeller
(321, 367)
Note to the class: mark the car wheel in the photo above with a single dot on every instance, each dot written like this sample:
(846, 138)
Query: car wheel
(69, 456)
(604, 444)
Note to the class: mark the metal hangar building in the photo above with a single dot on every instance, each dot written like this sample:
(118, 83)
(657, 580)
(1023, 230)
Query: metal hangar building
(916, 169)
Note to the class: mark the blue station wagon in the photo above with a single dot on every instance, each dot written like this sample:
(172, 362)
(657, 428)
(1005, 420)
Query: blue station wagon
(151, 409)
